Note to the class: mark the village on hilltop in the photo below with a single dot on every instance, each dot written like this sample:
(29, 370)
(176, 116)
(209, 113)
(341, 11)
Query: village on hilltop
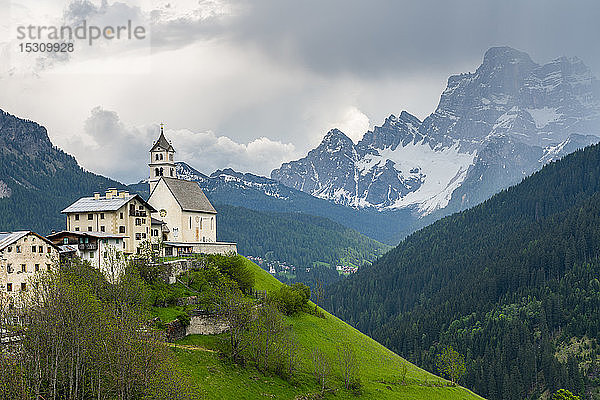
(176, 220)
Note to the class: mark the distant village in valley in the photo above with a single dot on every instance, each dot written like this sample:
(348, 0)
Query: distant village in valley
(177, 220)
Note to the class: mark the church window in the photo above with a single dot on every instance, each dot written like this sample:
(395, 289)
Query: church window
(161, 171)
(212, 220)
(161, 156)
(170, 157)
(190, 222)
(156, 172)
(90, 217)
(201, 223)
(101, 215)
(76, 217)
(171, 171)
(156, 157)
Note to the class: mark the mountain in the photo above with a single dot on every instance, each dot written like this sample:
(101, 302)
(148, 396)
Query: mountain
(511, 283)
(37, 179)
(267, 195)
(492, 128)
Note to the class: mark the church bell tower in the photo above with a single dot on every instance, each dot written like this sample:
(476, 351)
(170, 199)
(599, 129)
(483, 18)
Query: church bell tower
(162, 161)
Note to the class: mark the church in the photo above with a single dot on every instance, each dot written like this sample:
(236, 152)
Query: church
(183, 219)
(177, 218)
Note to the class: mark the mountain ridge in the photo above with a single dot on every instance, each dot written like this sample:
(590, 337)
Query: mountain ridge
(492, 127)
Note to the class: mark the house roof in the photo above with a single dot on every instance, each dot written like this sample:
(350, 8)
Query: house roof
(67, 248)
(189, 195)
(162, 143)
(90, 204)
(94, 234)
(8, 238)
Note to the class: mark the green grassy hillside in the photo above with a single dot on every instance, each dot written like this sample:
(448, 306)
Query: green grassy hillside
(380, 369)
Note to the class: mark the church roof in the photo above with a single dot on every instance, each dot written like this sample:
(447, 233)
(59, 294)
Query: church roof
(162, 143)
(189, 195)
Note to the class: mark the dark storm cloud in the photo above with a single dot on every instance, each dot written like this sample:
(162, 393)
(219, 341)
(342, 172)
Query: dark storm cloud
(383, 37)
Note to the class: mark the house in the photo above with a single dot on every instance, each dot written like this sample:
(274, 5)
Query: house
(116, 213)
(96, 247)
(184, 219)
(23, 254)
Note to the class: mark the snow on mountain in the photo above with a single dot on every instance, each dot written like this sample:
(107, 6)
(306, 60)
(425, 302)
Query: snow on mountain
(491, 128)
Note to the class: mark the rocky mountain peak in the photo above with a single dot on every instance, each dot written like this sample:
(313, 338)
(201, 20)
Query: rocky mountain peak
(491, 128)
(498, 57)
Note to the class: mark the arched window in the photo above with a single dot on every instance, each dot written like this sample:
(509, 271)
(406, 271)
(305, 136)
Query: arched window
(161, 156)
(161, 171)
(212, 221)
(156, 157)
(171, 157)
(171, 171)
(156, 172)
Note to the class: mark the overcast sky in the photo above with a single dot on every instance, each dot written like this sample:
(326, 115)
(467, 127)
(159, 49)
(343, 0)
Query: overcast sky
(251, 84)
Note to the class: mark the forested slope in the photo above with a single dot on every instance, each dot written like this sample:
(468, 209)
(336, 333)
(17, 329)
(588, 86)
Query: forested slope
(302, 240)
(508, 283)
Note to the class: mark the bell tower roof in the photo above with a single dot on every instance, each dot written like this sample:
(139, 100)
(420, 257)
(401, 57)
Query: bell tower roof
(162, 142)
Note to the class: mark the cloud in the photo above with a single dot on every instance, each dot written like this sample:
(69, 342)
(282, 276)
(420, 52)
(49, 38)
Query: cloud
(353, 123)
(111, 148)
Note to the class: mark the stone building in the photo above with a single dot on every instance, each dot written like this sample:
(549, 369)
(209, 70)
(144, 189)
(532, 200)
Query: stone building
(23, 254)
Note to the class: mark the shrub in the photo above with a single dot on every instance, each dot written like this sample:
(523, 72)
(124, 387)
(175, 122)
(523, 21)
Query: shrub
(291, 299)
(184, 319)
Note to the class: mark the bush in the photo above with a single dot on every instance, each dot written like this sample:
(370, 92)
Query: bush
(291, 299)
(184, 319)
(235, 268)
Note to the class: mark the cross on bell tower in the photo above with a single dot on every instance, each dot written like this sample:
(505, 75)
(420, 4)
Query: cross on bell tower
(162, 161)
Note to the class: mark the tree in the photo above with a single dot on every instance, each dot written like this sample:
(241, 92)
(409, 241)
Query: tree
(237, 312)
(321, 367)
(451, 364)
(348, 364)
(266, 334)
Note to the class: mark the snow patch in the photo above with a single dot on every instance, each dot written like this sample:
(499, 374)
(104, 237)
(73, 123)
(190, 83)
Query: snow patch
(441, 172)
(543, 116)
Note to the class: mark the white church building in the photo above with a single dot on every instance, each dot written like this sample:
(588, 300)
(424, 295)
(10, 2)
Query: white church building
(184, 219)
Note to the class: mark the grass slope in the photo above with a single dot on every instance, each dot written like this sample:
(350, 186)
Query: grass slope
(380, 369)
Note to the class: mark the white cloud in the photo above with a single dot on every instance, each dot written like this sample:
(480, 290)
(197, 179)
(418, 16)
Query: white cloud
(111, 148)
(353, 123)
